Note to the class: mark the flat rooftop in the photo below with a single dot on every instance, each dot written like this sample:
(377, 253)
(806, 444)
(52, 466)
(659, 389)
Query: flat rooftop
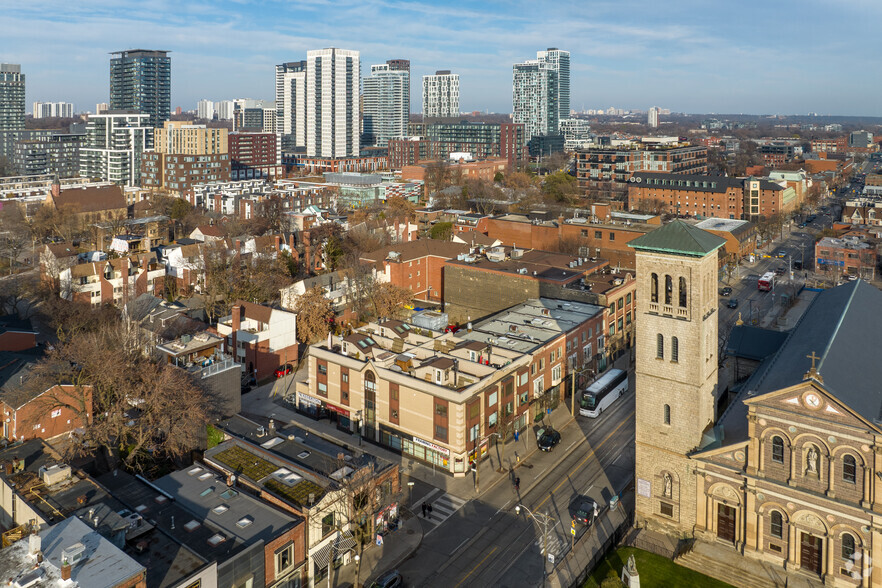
(533, 323)
(542, 265)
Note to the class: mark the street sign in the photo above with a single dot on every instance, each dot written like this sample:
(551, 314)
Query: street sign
(551, 558)
(573, 531)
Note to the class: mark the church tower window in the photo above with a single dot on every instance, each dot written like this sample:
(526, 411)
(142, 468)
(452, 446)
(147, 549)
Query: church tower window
(675, 349)
(660, 346)
(669, 290)
(653, 286)
(667, 414)
(682, 292)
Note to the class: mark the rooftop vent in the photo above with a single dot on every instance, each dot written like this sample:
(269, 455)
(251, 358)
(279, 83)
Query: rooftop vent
(54, 474)
(73, 553)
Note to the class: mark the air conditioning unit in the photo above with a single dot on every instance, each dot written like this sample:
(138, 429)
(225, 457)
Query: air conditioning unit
(54, 473)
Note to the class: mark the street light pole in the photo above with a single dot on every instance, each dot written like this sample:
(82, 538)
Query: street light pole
(542, 519)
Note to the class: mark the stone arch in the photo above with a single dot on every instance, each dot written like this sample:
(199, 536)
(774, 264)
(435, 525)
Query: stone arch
(806, 519)
(840, 529)
(776, 432)
(803, 438)
(768, 507)
(675, 485)
(839, 453)
(723, 491)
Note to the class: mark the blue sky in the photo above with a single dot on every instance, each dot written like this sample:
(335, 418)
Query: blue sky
(774, 56)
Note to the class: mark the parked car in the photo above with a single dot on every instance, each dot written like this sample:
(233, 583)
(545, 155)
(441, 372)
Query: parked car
(451, 328)
(547, 438)
(797, 265)
(283, 370)
(390, 579)
(725, 291)
(584, 515)
(780, 271)
(732, 303)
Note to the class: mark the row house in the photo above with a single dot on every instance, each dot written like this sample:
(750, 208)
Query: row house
(863, 211)
(335, 286)
(438, 398)
(113, 281)
(319, 165)
(198, 194)
(318, 481)
(259, 337)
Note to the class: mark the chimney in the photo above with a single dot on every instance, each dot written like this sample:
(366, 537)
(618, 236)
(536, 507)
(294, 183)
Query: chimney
(56, 188)
(65, 571)
(278, 239)
(237, 324)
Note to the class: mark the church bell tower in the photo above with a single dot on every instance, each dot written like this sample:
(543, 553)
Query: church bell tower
(676, 371)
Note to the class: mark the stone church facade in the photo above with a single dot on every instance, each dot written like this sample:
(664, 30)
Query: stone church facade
(790, 471)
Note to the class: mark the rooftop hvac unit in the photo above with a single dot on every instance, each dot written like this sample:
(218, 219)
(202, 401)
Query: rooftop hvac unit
(54, 474)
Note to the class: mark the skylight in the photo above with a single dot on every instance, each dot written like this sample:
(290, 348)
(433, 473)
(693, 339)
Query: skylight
(191, 526)
(207, 491)
(221, 509)
(244, 522)
(194, 471)
(216, 540)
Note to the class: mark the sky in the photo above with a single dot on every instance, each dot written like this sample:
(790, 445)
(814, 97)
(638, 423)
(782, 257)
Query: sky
(710, 56)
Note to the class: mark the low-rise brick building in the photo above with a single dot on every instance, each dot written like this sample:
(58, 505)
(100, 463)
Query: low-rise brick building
(260, 337)
(849, 256)
(112, 281)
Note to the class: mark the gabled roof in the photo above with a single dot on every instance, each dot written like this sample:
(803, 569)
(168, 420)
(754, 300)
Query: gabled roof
(679, 238)
(841, 328)
(91, 198)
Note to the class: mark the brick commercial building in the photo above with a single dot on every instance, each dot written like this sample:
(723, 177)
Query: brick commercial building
(776, 155)
(468, 170)
(603, 171)
(848, 256)
(740, 236)
(437, 398)
(416, 265)
(255, 155)
(710, 196)
(437, 140)
(605, 238)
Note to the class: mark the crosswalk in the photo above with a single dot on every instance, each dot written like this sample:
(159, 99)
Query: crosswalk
(444, 506)
(557, 544)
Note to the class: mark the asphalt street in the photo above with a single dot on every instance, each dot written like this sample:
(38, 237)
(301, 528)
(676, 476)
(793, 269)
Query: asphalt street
(485, 543)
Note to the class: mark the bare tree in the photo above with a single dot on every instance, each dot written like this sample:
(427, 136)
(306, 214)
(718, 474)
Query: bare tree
(389, 300)
(313, 315)
(14, 233)
(136, 412)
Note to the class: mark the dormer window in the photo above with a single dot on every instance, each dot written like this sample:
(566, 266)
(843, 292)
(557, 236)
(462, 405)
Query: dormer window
(438, 376)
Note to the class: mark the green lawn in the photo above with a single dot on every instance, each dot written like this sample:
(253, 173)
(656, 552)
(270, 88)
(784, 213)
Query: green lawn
(655, 571)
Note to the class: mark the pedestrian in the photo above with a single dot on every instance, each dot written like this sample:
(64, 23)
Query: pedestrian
(517, 484)
(430, 509)
(424, 510)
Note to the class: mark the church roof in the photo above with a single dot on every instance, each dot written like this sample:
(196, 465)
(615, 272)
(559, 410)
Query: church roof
(840, 329)
(680, 238)
(753, 343)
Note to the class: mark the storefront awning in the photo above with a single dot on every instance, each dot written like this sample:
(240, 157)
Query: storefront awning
(338, 546)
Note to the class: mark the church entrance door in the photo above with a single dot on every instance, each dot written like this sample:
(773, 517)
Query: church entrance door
(810, 553)
(726, 522)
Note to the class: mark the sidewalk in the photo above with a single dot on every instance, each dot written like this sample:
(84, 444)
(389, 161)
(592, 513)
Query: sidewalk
(375, 560)
(259, 406)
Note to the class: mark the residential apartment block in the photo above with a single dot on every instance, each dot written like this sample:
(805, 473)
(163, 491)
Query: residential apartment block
(53, 110)
(58, 154)
(113, 146)
(386, 103)
(333, 84)
(255, 155)
(184, 138)
(291, 103)
(177, 173)
(140, 80)
(441, 94)
(535, 96)
(435, 141)
(604, 170)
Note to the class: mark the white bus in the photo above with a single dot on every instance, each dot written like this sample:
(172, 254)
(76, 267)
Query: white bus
(603, 392)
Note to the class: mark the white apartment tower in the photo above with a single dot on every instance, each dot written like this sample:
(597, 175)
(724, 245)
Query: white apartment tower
(534, 98)
(652, 117)
(560, 61)
(441, 94)
(333, 82)
(386, 103)
(205, 109)
(53, 109)
(113, 145)
(291, 102)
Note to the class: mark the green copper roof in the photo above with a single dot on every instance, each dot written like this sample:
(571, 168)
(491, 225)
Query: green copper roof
(679, 238)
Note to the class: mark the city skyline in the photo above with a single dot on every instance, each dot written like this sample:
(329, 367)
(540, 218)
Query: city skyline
(750, 57)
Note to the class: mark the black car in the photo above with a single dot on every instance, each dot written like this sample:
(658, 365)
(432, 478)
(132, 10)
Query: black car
(780, 271)
(584, 515)
(547, 439)
(390, 579)
(797, 265)
(725, 291)
(733, 303)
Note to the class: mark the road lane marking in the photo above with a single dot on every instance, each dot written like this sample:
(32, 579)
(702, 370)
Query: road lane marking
(571, 445)
(587, 457)
(458, 546)
(474, 569)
